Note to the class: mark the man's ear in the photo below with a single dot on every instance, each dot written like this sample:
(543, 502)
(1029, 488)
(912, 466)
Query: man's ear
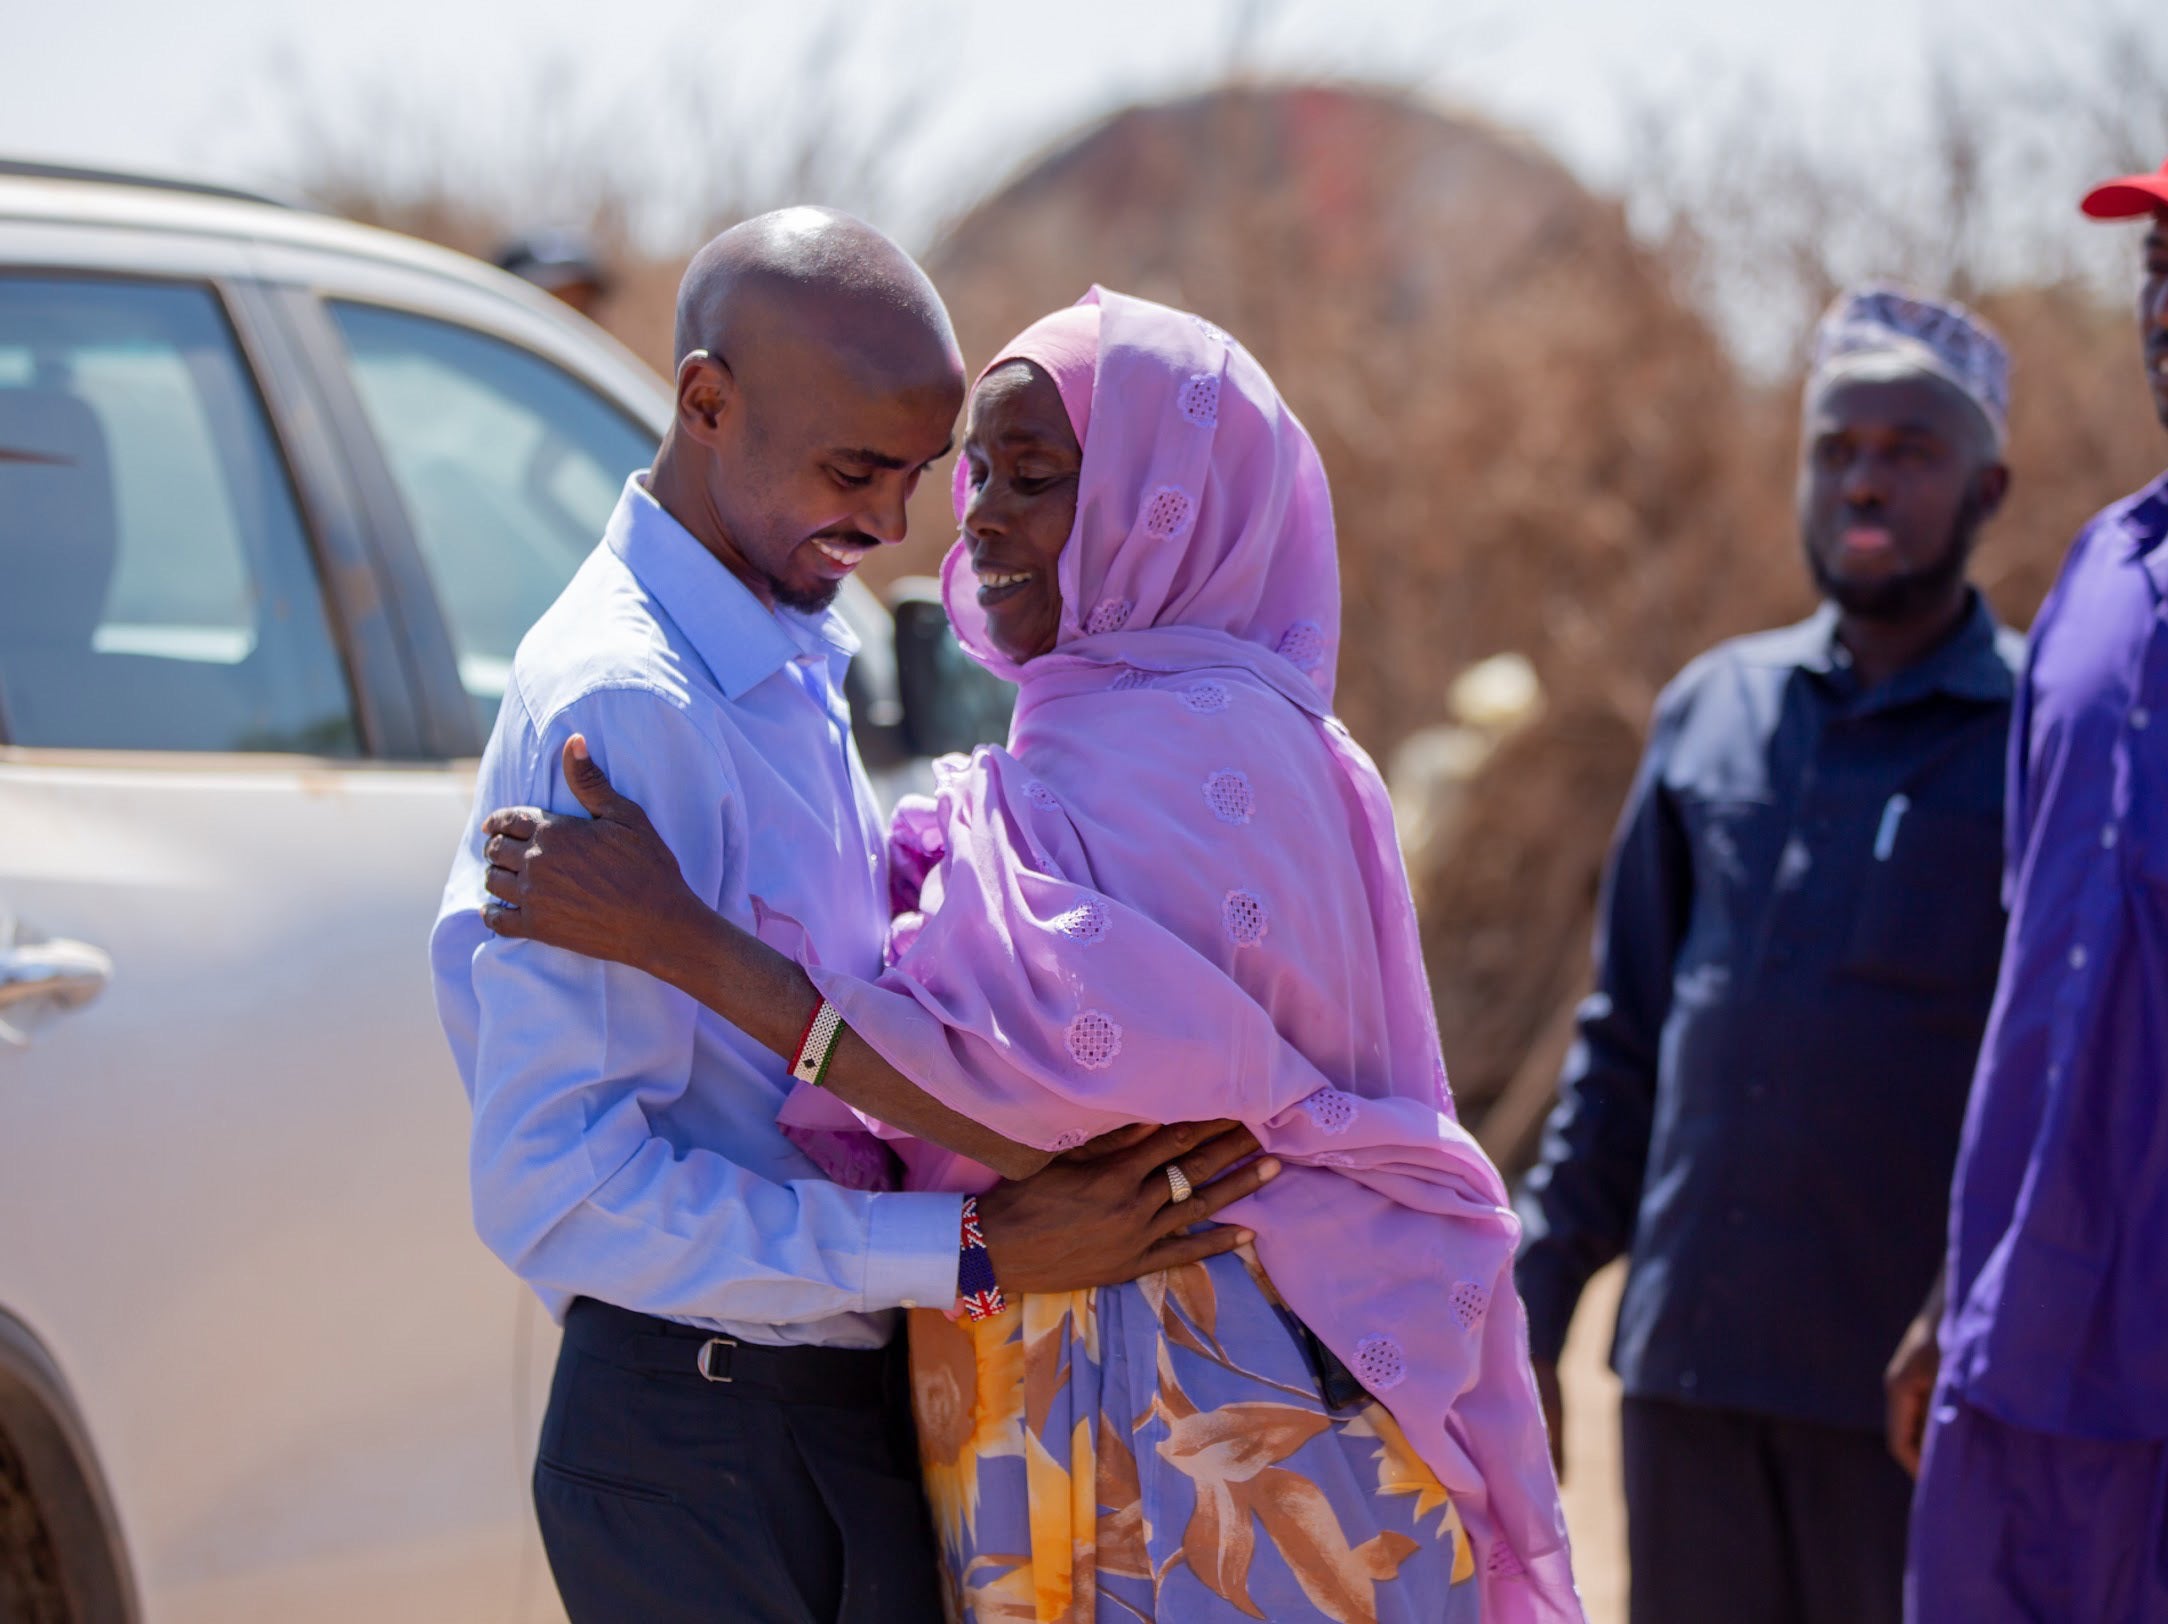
(1993, 486)
(707, 393)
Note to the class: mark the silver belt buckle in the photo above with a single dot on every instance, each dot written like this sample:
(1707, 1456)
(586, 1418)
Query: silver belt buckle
(706, 1357)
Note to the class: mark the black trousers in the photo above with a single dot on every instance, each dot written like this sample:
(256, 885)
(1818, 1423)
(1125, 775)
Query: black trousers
(788, 1494)
(1734, 1518)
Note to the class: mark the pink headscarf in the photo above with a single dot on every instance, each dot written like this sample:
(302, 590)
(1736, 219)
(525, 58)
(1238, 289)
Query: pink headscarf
(1065, 346)
(1178, 895)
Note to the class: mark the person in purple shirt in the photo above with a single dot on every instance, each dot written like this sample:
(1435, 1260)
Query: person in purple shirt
(2043, 1484)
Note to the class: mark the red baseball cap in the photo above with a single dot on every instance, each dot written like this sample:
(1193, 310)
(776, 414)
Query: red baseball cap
(2128, 197)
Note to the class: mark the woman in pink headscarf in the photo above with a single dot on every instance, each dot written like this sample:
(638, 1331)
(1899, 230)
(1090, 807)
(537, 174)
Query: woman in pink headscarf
(1177, 896)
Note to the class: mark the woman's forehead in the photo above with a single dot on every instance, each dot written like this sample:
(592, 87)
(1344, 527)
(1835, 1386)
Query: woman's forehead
(1017, 401)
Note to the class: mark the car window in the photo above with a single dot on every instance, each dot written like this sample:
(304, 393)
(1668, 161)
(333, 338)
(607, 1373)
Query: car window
(508, 466)
(156, 586)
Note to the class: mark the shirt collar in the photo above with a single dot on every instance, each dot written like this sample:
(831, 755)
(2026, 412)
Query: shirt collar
(2144, 519)
(742, 641)
(1968, 664)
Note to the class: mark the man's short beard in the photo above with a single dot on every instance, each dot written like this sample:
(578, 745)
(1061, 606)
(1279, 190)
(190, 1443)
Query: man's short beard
(1907, 596)
(806, 600)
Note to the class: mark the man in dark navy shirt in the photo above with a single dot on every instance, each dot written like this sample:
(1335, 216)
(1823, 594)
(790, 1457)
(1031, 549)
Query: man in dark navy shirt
(1795, 956)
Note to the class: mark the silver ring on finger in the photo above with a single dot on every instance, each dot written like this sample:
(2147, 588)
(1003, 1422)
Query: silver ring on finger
(1178, 1182)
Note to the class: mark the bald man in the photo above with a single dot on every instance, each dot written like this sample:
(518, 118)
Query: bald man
(725, 1437)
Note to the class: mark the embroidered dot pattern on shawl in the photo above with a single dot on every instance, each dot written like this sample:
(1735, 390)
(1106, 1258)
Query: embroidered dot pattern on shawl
(1332, 1110)
(1380, 1363)
(1502, 1563)
(1228, 794)
(1042, 797)
(1243, 914)
(1166, 516)
(1086, 922)
(1131, 680)
(1468, 1302)
(1109, 617)
(1206, 698)
(1200, 399)
(1302, 645)
(1094, 1040)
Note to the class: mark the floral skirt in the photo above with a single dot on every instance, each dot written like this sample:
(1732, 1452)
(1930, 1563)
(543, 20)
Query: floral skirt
(1159, 1451)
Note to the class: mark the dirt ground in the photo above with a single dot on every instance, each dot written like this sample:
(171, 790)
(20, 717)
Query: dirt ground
(1595, 1512)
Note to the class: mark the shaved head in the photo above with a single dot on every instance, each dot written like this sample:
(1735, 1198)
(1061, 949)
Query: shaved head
(820, 273)
(818, 376)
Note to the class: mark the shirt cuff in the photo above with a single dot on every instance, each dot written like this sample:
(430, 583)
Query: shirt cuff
(914, 1242)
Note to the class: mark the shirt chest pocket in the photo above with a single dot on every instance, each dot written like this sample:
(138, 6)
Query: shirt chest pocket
(1735, 842)
(1929, 913)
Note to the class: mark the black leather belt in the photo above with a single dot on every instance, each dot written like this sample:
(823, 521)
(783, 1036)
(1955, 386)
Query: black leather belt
(846, 1378)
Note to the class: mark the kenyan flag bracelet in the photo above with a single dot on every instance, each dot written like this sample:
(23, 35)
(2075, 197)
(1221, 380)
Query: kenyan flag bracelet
(817, 1045)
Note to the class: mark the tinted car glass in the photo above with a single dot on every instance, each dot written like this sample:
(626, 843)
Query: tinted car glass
(156, 586)
(508, 466)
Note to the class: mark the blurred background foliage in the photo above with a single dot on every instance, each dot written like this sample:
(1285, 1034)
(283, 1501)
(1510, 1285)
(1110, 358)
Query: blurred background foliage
(1561, 426)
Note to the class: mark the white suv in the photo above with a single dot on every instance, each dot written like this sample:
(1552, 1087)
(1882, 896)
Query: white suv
(278, 496)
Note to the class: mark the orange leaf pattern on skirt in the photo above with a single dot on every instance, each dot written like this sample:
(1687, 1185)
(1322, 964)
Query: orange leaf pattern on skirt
(1159, 1451)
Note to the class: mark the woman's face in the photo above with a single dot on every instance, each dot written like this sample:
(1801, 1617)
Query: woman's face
(1023, 461)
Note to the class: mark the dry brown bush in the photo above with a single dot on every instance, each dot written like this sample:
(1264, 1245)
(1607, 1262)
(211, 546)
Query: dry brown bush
(2082, 432)
(1515, 411)
(717, 132)
(1539, 437)
(1535, 446)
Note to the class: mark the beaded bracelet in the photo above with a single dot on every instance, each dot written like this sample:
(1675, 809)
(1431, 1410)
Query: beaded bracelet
(817, 1045)
(977, 1292)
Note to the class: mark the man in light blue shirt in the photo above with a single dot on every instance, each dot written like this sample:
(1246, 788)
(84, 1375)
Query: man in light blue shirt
(607, 1105)
(723, 1436)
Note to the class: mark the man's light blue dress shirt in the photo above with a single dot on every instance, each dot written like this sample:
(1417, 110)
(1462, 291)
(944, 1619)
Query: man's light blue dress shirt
(625, 1143)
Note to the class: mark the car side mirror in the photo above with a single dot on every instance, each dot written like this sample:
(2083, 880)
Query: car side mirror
(950, 701)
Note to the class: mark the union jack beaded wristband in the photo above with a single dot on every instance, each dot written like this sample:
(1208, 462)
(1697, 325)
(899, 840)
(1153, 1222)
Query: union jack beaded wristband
(817, 1046)
(977, 1292)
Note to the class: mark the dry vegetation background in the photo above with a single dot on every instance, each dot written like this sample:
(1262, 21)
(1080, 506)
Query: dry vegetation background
(1560, 426)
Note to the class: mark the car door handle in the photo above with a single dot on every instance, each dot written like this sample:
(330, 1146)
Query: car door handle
(41, 976)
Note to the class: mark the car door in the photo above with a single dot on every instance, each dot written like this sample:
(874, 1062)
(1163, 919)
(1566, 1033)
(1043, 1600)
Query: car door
(490, 443)
(232, 1174)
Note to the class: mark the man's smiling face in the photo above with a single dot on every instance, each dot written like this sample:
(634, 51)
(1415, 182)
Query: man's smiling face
(823, 463)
